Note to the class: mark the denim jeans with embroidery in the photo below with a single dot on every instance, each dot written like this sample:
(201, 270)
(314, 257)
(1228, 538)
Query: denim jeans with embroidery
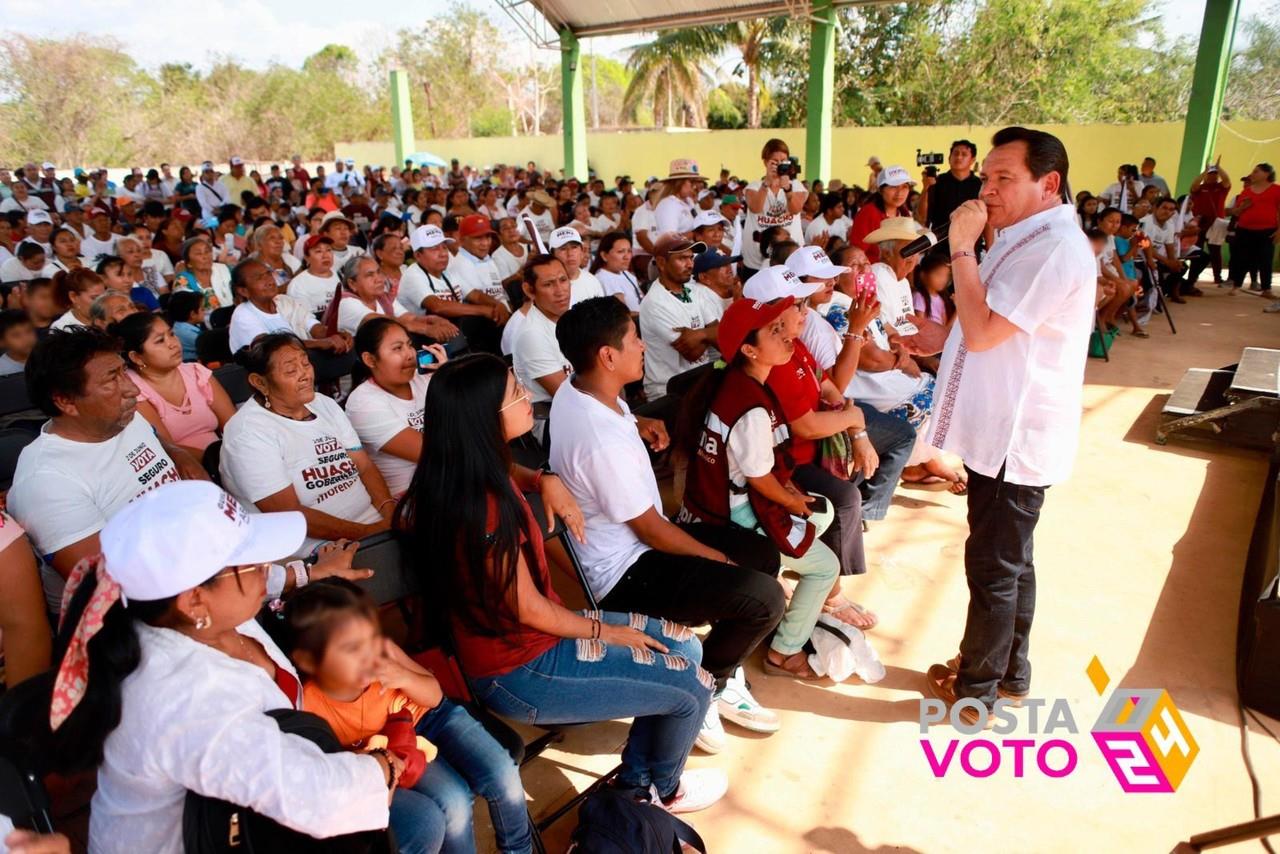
(584, 680)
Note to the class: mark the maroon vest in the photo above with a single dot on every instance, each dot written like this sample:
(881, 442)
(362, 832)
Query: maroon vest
(708, 487)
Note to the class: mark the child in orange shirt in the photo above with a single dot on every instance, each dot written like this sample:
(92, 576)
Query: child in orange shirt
(372, 694)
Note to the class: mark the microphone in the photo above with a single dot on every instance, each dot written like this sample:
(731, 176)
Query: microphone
(925, 241)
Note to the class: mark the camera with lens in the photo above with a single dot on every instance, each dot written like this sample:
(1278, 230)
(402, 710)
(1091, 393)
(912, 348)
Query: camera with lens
(928, 158)
(789, 168)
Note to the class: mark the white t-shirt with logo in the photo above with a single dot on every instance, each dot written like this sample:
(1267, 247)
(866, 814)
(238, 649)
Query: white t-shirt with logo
(480, 274)
(161, 262)
(248, 322)
(416, 285)
(537, 354)
(660, 314)
(602, 460)
(352, 312)
(379, 416)
(621, 284)
(542, 223)
(672, 215)
(314, 292)
(775, 212)
(263, 453)
(1019, 404)
(91, 247)
(63, 490)
(508, 264)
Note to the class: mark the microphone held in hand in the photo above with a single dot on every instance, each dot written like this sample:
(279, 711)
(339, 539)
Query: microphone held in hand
(926, 241)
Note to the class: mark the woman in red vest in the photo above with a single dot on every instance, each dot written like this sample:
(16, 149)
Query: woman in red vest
(740, 470)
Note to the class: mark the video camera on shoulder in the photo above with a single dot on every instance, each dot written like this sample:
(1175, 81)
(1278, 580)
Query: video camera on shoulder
(930, 160)
(789, 168)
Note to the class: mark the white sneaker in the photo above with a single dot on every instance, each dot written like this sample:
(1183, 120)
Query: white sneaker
(738, 706)
(698, 790)
(711, 736)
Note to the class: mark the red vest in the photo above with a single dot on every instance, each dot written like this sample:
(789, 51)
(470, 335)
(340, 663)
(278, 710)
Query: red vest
(707, 487)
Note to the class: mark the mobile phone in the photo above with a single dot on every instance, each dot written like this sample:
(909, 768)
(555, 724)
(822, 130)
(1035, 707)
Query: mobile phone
(866, 284)
(819, 504)
(425, 360)
(228, 243)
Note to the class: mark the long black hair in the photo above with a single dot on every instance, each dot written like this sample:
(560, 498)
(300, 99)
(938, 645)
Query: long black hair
(465, 465)
(133, 332)
(114, 653)
(367, 340)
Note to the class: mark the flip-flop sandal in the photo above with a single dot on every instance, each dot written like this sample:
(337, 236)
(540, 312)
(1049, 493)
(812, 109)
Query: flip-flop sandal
(844, 604)
(803, 671)
(928, 480)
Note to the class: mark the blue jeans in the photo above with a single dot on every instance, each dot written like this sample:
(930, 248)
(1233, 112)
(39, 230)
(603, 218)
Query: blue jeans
(581, 681)
(893, 440)
(435, 815)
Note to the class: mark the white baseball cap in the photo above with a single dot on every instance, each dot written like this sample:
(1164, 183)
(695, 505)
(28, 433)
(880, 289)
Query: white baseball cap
(812, 262)
(711, 217)
(39, 217)
(236, 161)
(773, 283)
(563, 237)
(894, 176)
(206, 166)
(428, 237)
(350, 161)
(47, 165)
(155, 553)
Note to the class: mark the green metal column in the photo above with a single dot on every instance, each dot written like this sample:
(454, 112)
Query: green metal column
(1213, 59)
(401, 117)
(574, 124)
(822, 77)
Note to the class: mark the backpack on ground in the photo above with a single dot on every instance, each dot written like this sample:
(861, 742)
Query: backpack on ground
(623, 821)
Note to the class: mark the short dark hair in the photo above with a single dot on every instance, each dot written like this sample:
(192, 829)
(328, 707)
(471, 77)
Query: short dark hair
(56, 365)
(1166, 199)
(1096, 234)
(973, 149)
(1149, 159)
(532, 266)
(312, 615)
(1045, 152)
(29, 249)
(591, 324)
(11, 317)
(181, 304)
(829, 201)
(1128, 218)
(106, 262)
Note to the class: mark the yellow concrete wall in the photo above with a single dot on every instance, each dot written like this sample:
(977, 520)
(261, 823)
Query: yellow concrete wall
(1095, 150)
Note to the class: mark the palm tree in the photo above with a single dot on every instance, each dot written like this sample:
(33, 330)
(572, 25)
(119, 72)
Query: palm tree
(760, 42)
(668, 72)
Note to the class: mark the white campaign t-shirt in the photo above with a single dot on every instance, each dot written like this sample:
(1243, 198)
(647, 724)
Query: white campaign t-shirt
(63, 491)
(91, 247)
(1018, 405)
(585, 287)
(882, 390)
(537, 354)
(511, 330)
(161, 262)
(621, 284)
(673, 214)
(67, 320)
(263, 453)
(819, 224)
(248, 322)
(600, 457)
(416, 285)
(314, 292)
(351, 312)
(480, 274)
(775, 212)
(508, 264)
(660, 314)
(1162, 235)
(379, 416)
(713, 305)
(542, 223)
(642, 219)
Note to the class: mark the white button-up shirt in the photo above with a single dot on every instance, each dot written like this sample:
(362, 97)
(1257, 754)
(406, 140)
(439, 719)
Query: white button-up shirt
(195, 719)
(1018, 404)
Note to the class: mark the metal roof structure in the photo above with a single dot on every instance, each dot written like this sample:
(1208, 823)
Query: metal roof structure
(543, 20)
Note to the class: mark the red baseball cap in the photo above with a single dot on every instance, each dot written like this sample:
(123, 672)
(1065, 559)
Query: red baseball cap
(474, 226)
(315, 240)
(744, 316)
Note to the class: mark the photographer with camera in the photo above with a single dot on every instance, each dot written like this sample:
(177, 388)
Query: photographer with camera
(775, 200)
(942, 194)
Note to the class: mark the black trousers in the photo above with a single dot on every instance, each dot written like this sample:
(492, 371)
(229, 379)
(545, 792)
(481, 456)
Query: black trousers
(844, 535)
(1000, 569)
(743, 603)
(1252, 254)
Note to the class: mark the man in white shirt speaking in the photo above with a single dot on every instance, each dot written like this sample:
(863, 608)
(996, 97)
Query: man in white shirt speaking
(1010, 399)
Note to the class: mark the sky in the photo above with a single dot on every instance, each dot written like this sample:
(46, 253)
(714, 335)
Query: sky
(258, 32)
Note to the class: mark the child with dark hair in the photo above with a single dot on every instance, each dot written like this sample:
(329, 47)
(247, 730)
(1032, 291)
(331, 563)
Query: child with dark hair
(17, 339)
(185, 313)
(374, 696)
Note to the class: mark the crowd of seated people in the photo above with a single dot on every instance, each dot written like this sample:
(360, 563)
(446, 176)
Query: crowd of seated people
(401, 338)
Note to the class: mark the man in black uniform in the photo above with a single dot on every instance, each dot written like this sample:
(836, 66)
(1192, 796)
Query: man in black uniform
(948, 191)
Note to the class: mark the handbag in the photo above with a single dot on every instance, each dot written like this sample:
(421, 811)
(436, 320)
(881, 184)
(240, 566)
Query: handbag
(834, 454)
(621, 821)
(212, 826)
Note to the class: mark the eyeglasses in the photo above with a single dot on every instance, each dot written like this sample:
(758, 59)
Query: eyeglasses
(522, 395)
(244, 570)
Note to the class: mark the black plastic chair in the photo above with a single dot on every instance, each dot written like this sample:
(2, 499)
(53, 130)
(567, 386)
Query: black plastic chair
(235, 382)
(12, 441)
(23, 799)
(214, 346)
(220, 318)
(16, 408)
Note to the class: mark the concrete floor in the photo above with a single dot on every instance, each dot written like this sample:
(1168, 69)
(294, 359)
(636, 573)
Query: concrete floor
(1139, 560)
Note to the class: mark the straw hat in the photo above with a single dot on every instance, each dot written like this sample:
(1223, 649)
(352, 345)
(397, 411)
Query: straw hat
(682, 169)
(895, 228)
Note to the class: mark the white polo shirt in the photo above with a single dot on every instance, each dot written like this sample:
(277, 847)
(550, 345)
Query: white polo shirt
(1018, 405)
(603, 462)
(661, 313)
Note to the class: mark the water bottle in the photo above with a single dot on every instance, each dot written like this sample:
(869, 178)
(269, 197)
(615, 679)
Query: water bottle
(838, 317)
